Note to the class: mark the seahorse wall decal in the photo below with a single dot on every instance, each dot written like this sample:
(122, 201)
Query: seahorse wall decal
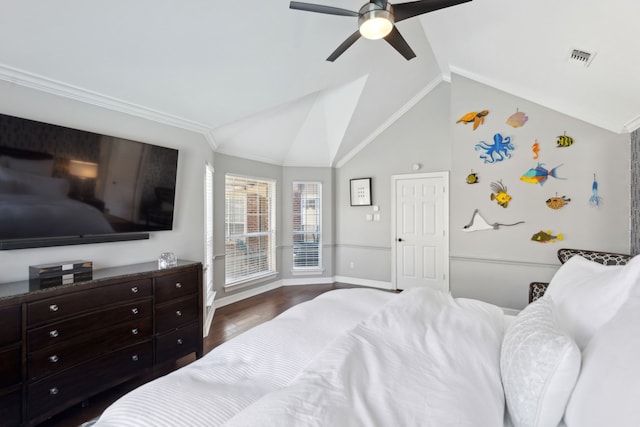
(496, 152)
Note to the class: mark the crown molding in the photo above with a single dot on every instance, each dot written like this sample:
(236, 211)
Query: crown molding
(632, 125)
(58, 88)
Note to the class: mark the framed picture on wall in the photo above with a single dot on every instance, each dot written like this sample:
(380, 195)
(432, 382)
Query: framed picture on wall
(361, 192)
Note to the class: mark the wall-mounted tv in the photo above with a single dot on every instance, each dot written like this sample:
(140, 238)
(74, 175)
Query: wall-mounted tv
(63, 186)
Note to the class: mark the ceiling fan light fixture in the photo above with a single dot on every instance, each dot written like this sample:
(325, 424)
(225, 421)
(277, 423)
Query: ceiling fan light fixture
(375, 23)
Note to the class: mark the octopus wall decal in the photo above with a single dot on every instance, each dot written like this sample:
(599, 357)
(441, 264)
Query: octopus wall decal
(496, 152)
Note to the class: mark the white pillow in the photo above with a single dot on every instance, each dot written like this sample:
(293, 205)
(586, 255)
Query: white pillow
(608, 389)
(588, 294)
(539, 365)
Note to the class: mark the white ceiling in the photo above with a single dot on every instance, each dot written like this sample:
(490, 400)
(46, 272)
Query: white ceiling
(251, 76)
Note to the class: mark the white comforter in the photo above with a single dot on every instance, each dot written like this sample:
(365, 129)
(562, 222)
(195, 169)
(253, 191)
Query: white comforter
(352, 357)
(425, 359)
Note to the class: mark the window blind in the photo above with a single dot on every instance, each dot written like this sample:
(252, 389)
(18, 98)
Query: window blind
(250, 228)
(307, 209)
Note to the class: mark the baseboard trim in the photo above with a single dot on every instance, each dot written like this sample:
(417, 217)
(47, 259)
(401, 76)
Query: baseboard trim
(308, 281)
(247, 294)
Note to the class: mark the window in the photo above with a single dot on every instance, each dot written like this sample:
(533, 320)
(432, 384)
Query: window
(250, 238)
(307, 225)
(210, 294)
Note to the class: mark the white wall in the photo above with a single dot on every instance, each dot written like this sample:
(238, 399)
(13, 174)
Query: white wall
(186, 239)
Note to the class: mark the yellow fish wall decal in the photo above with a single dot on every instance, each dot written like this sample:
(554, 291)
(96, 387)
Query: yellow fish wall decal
(564, 141)
(500, 194)
(546, 237)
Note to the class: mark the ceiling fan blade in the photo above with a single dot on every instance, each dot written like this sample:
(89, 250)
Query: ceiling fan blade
(344, 46)
(403, 11)
(321, 9)
(395, 39)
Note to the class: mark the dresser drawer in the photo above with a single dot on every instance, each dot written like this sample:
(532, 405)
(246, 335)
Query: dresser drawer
(57, 392)
(10, 366)
(75, 303)
(176, 285)
(176, 313)
(59, 357)
(11, 320)
(58, 332)
(177, 343)
(10, 409)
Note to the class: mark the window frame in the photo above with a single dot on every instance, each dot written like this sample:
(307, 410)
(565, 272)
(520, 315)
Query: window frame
(233, 241)
(318, 219)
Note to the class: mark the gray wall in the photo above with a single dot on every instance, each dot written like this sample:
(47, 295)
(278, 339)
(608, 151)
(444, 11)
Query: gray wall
(497, 265)
(324, 176)
(421, 135)
(186, 239)
(224, 164)
(635, 192)
(494, 265)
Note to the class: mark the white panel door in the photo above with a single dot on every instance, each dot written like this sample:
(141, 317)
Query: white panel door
(421, 231)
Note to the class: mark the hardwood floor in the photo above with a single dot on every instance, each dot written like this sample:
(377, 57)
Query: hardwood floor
(228, 322)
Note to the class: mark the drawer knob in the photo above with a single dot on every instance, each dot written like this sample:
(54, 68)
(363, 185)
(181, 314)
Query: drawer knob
(134, 289)
(179, 341)
(53, 391)
(53, 307)
(178, 313)
(134, 358)
(53, 334)
(134, 311)
(54, 358)
(134, 331)
(178, 285)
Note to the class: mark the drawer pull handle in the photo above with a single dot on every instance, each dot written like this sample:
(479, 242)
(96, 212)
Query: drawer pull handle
(53, 307)
(134, 289)
(179, 342)
(53, 391)
(178, 313)
(54, 358)
(53, 334)
(178, 285)
(134, 311)
(134, 358)
(134, 331)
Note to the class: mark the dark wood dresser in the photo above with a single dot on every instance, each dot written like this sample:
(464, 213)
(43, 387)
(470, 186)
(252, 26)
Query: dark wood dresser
(63, 344)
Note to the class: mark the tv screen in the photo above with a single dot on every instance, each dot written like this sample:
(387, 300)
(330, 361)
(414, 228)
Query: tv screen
(66, 186)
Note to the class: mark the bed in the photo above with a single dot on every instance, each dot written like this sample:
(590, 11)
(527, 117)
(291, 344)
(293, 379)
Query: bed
(364, 357)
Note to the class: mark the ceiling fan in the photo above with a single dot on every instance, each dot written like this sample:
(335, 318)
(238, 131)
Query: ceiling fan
(377, 19)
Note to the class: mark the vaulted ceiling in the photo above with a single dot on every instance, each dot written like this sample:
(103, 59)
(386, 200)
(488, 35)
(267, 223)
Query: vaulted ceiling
(251, 76)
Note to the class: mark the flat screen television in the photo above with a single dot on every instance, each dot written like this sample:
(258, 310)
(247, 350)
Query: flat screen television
(63, 186)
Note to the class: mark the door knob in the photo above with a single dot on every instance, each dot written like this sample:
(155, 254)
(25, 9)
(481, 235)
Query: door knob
(399, 240)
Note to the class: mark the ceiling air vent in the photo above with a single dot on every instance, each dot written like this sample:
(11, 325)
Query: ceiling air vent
(581, 57)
